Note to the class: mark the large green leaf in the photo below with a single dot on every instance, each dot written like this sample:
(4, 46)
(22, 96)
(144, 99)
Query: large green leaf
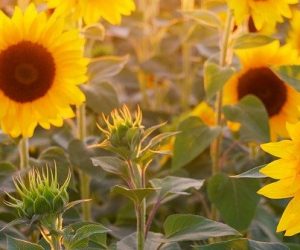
(111, 165)
(103, 68)
(136, 195)
(251, 41)
(101, 97)
(243, 244)
(175, 185)
(289, 74)
(204, 17)
(77, 236)
(80, 158)
(188, 227)
(251, 173)
(153, 242)
(252, 115)
(215, 77)
(194, 138)
(236, 199)
(16, 244)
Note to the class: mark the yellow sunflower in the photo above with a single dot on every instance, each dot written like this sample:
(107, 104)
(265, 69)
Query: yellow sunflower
(40, 68)
(265, 13)
(286, 171)
(256, 78)
(294, 34)
(92, 10)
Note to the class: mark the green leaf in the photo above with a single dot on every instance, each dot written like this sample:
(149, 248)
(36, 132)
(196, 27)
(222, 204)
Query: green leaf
(136, 195)
(243, 244)
(252, 115)
(252, 173)
(194, 138)
(101, 97)
(289, 74)
(236, 199)
(215, 77)
(175, 185)
(153, 242)
(77, 236)
(293, 246)
(188, 227)
(204, 17)
(103, 68)
(16, 244)
(251, 41)
(111, 165)
(80, 158)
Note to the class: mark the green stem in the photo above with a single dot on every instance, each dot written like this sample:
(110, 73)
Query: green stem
(141, 222)
(56, 237)
(84, 178)
(216, 145)
(24, 153)
(219, 103)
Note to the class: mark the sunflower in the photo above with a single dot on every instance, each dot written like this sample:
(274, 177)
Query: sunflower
(256, 78)
(40, 68)
(265, 13)
(92, 10)
(286, 171)
(294, 34)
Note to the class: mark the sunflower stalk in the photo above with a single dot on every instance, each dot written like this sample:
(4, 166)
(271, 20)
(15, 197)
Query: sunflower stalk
(24, 153)
(131, 142)
(84, 178)
(216, 145)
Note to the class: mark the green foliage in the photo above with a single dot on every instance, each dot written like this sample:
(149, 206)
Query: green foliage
(235, 199)
(243, 244)
(289, 74)
(16, 244)
(193, 139)
(78, 235)
(187, 227)
(252, 115)
(215, 78)
(251, 41)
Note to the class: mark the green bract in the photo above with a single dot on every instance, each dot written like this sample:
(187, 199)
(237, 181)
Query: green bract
(40, 193)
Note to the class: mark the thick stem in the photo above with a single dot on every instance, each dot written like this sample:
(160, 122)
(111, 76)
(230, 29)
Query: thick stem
(84, 178)
(141, 220)
(24, 153)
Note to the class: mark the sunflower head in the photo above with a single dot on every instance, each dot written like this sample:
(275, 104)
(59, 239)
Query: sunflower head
(41, 66)
(259, 12)
(257, 78)
(285, 171)
(92, 11)
(40, 194)
(294, 33)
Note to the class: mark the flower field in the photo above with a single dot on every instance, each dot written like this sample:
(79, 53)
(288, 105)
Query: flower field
(149, 124)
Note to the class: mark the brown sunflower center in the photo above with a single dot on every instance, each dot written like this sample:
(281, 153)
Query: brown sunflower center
(27, 71)
(265, 85)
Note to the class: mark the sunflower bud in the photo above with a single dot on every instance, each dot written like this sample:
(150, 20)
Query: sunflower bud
(123, 133)
(40, 194)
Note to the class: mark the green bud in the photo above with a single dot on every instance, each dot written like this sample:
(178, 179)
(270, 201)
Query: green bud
(40, 194)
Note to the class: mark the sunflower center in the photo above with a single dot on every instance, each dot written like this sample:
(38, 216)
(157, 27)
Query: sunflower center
(27, 71)
(265, 85)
